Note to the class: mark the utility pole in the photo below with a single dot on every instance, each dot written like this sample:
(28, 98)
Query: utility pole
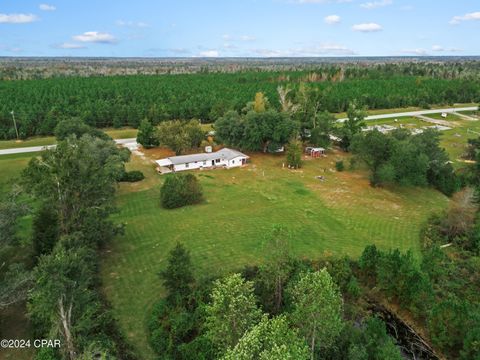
(14, 123)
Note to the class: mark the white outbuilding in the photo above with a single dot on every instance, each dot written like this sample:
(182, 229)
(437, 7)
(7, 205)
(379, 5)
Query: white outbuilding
(226, 158)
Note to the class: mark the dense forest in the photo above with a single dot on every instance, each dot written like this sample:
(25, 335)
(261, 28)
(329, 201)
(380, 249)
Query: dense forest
(21, 68)
(126, 100)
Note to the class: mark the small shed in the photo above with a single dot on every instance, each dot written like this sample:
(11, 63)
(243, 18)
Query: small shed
(315, 152)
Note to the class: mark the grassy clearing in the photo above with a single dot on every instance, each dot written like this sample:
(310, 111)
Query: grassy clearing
(10, 168)
(455, 140)
(450, 117)
(332, 218)
(474, 113)
(35, 141)
(406, 122)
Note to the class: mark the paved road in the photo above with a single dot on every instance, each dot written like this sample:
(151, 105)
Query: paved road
(416, 113)
(42, 148)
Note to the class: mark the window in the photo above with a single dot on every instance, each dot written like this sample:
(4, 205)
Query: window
(233, 161)
(187, 165)
(204, 163)
(217, 160)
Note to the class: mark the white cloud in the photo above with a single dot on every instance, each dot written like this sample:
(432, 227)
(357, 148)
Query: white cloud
(47, 7)
(17, 18)
(308, 51)
(138, 24)
(209, 53)
(95, 37)
(367, 27)
(70, 46)
(439, 48)
(419, 51)
(470, 16)
(376, 4)
(332, 19)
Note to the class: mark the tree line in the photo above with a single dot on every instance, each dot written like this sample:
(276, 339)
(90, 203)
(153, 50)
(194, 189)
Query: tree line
(70, 190)
(407, 159)
(283, 309)
(126, 100)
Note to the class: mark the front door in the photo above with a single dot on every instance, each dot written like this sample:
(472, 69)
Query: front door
(213, 162)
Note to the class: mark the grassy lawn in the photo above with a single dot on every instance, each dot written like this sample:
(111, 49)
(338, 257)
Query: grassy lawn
(49, 140)
(406, 121)
(125, 133)
(450, 117)
(474, 113)
(455, 140)
(35, 141)
(336, 217)
(10, 167)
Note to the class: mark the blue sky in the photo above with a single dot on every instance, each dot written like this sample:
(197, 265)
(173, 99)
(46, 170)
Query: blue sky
(190, 28)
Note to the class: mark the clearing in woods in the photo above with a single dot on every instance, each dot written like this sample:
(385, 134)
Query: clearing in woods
(334, 217)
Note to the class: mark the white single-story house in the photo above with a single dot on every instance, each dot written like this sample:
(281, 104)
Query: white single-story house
(226, 158)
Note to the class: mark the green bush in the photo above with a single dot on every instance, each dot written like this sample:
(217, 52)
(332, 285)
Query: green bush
(294, 154)
(132, 176)
(339, 165)
(353, 163)
(180, 190)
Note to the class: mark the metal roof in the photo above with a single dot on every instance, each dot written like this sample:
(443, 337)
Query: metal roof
(223, 154)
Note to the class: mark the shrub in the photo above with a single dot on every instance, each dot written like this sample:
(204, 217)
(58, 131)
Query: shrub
(77, 127)
(180, 190)
(339, 165)
(146, 135)
(294, 154)
(132, 176)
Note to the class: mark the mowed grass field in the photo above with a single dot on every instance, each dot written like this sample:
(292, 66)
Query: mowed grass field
(11, 167)
(335, 217)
